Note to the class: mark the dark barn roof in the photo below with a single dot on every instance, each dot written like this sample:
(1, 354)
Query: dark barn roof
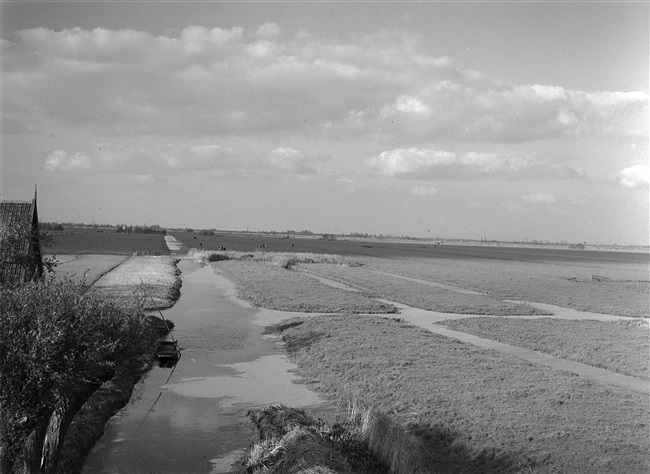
(14, 213)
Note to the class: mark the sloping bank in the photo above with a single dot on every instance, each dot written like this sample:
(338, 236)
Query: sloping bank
(155, 283)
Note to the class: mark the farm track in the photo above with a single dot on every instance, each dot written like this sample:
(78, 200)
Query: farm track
(423, 318)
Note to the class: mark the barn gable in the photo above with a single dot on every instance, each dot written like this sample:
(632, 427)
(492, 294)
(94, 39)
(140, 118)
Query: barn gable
(29, 264)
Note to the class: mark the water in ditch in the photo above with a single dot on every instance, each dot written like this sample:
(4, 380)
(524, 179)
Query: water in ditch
(192, 419)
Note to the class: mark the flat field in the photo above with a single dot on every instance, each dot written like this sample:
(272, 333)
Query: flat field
(621, 346)
(474, 410)
(273, 287)
(563, 277)
(568, 284)
(86, 268)
(153, 280)
(419, 295)
(477, 410)
(107, 242)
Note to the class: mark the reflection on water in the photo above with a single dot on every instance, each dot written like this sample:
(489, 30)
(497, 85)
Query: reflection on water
(191, 419)
(263, 381)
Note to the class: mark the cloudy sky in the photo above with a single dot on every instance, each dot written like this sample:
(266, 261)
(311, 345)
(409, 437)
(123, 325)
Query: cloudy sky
(478, 119)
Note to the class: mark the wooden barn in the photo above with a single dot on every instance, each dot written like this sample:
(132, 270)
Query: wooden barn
(20, 256)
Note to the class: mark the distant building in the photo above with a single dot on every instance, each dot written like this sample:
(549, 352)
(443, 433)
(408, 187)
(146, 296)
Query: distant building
(21, 259)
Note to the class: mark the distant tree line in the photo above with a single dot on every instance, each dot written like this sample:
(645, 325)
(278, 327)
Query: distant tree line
(130, 229)
(50, 226)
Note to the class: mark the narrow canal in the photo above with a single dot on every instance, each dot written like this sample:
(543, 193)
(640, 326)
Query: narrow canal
(192, 419)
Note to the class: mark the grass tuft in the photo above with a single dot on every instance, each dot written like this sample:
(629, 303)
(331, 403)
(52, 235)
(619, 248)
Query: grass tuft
(389, 441)
(367, 441)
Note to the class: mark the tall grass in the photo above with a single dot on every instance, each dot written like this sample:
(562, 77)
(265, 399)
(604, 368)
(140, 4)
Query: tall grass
(398, 449)
(367, 441)
(278, 259)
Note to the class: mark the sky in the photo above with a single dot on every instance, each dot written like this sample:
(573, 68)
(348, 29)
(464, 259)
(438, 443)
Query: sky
(495, 120)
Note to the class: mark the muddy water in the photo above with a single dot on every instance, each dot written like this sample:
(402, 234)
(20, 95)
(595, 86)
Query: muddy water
(191, 419)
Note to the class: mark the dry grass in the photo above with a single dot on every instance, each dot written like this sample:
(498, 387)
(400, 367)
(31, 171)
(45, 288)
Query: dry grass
(278, 259)
(566, 285)
(88, 268)
(473, 410)
(619, 346)
(154, 281)
(365, 442)
(419, 295)
(274, 287)
(397, 448)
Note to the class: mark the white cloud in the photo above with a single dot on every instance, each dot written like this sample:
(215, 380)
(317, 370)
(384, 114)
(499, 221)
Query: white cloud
(635, 176)
(294, 161)
(424, 191)
(409, 161)
(215, 82)
(408, 105)
(268, 30)
(142, 160)
(61, 160)
(415, 163)
(539, 198)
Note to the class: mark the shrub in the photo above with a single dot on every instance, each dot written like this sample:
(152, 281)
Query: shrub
(57, 346)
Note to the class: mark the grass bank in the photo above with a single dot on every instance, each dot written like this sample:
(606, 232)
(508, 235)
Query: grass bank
(620, 346)
(88, 425)
(364, 442)
(473, 410)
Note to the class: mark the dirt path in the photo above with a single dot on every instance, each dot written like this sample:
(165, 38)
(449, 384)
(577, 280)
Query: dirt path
(428, 319)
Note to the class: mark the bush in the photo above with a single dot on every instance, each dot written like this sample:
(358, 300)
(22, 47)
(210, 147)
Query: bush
(217, 257)
(57, 346)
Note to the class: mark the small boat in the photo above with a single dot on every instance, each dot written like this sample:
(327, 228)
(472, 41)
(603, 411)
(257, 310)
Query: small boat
(168, 350)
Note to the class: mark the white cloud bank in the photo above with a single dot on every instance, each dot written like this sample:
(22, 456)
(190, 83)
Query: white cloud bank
(635, 176)
(216, 82)
(415, 163)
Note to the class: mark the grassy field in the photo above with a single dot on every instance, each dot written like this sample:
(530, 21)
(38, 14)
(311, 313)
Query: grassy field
(419, 295)
(567, 284)
(562, 277)
(87, 268)
(474, 410)
(92, 241)
(153, 280)
(621, 346)
(274, 287)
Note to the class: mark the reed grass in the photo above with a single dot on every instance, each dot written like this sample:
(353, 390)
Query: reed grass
(366, 441)
(278, 259)
(393, 445)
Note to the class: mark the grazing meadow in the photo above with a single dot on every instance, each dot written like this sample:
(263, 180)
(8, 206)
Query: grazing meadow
(624, 292)
(472, 409)
(620, 346)
(106, 242)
